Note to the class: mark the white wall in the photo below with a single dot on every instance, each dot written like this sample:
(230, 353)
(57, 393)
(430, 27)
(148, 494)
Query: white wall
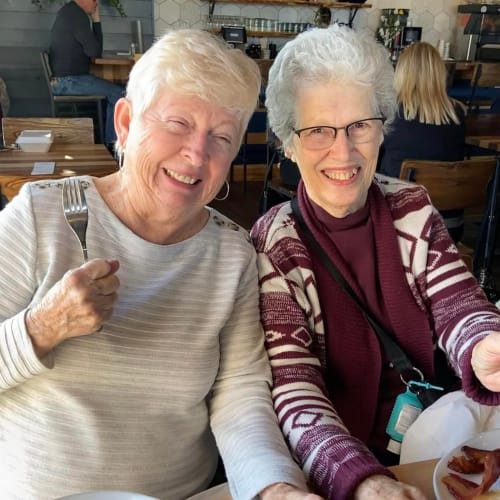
(438, 18)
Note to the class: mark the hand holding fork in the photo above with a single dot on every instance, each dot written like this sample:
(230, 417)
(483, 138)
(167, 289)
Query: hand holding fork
(77, 305)
(76, 210)
(83, 299)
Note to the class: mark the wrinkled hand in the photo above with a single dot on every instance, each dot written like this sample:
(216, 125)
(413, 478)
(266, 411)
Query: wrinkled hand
(283, 491)
(76, 305)
(486, 361)
(381, 487)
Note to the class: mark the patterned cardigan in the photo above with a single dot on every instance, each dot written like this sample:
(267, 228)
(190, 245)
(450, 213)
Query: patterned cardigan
(334, 461)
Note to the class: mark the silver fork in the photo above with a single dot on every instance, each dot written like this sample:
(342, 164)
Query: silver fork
(76, 210)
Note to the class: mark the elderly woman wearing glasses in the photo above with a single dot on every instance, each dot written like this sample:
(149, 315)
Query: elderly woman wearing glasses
(330, 95)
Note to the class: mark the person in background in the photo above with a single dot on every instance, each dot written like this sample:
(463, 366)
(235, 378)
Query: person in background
(429, 125)
(334, 387)
(132, 371)
(4, 98)
(73, 43)
(4, 110)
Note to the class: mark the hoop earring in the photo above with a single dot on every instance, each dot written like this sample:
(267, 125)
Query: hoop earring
(227, 192)
(121, 159)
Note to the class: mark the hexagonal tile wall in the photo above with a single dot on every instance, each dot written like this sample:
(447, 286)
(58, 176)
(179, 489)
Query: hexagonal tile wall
(438, 18)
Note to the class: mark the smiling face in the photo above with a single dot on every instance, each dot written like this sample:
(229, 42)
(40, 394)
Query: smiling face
(177, 154)
(338, 177)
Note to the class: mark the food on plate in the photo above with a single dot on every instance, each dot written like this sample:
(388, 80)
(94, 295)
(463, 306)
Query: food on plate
(473, 461)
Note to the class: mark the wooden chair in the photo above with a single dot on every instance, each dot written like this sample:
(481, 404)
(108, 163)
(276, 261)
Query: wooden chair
(72, 130)
(72, 105)
(485, 79)
(460, 80)
(461, 74)
(489, 74)
(453, 185)
(474, 83)
(253, 148)
(482, 123)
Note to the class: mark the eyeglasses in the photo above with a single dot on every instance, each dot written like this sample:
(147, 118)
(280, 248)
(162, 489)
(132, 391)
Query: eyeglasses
(323, 136)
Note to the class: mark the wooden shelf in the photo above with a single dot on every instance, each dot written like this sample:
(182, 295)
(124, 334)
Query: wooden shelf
(260, 34)
(304, 3)
(274, 34)
(353, 8)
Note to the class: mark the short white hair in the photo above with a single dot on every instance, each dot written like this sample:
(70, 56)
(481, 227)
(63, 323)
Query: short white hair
(193, 62)
(336, 54)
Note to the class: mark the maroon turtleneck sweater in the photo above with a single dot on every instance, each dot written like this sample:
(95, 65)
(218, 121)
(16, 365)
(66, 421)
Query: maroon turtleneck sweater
(363, 403)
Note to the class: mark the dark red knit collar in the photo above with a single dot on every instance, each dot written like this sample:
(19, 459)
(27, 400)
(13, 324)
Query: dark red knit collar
(404, 313)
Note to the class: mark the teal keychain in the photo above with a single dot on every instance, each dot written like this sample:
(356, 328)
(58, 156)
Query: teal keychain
(407, 408)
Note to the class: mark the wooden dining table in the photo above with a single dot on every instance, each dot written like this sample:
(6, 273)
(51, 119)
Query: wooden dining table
(114, 69)
(70, 159)
(418, 474)
(491, 142)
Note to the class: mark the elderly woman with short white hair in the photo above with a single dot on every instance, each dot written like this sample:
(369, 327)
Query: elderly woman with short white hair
(354, 246)
(133, 371)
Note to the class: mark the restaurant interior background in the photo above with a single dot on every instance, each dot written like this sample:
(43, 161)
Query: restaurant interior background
(24, 31)
(438, 18)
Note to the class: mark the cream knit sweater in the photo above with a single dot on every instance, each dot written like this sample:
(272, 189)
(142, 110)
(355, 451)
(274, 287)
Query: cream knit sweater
(136, 406)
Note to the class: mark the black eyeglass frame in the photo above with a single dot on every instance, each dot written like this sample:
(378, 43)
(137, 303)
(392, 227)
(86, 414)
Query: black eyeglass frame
(336, 129)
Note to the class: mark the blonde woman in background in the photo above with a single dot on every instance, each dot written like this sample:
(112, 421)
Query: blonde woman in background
(429, 125)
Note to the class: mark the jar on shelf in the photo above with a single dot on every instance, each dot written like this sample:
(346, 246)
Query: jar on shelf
(323, 17)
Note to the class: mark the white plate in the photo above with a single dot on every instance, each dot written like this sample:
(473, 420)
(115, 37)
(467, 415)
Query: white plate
(486, 441)
(107, 495)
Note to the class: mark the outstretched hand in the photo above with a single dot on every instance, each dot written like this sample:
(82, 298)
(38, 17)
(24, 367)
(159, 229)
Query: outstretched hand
(486, 361)
(381, 487)
(76, 305)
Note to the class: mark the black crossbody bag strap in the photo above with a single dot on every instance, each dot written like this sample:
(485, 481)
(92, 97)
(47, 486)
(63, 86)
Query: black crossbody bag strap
(392, 350)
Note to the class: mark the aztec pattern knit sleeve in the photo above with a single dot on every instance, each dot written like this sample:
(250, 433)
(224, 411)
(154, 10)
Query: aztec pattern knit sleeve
(333, 460)
(459, 312)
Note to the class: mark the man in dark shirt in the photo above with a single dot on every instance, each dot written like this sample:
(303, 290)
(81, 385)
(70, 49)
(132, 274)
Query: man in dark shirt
(73, 43)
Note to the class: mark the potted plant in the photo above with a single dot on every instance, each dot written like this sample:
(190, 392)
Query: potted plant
(392, 22)
(117, 4)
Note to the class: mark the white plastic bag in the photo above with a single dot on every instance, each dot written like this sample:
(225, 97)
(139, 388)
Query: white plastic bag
(451, 420)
